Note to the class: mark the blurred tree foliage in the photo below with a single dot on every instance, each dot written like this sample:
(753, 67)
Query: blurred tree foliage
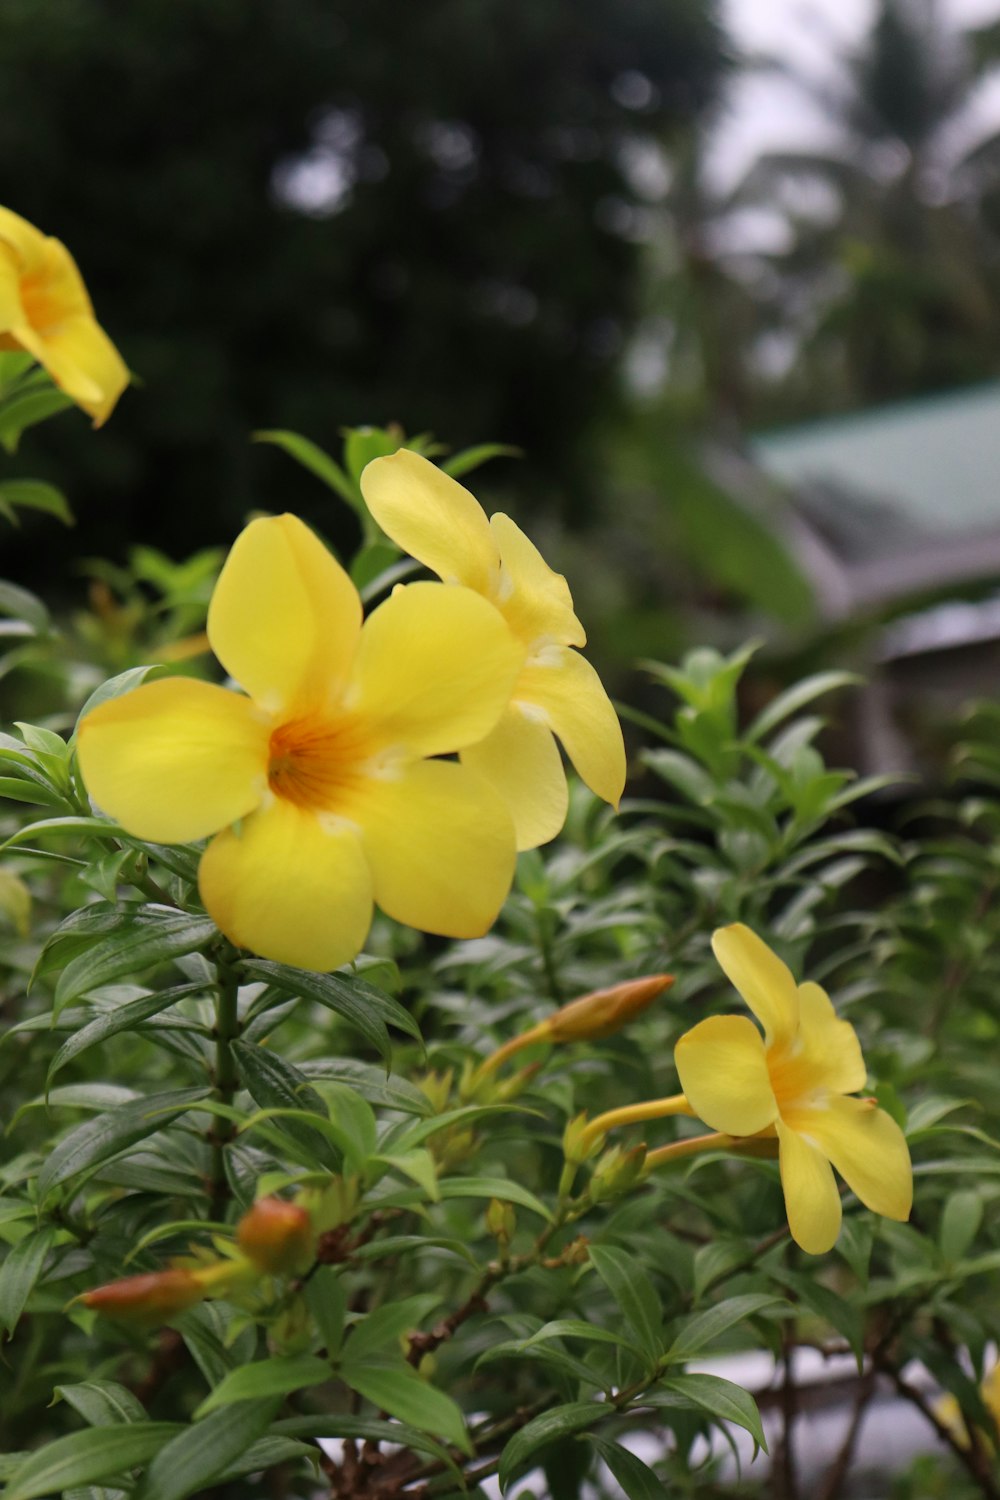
(304, 213)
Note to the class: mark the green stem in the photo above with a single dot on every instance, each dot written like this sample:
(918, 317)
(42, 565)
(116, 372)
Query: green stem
(226, 1077)
(548, 957)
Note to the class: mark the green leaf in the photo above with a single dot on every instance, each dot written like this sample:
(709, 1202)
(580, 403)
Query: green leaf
(472, 458)
(25, 408)
(278, 1086)
(560, 1422)
(368, 1009)
(122, 1018)
(706, 1326)
(636, 1480)
(399, 1390)
(341, 1424)
(19, 1272)
(795, 698)
(386, 1325)
(327, 1301)
(34, 494)
(18, 604)
(96, 1140)
(633, 1291)
(277, 1376)
(494, 1187)
(960, 1221)
(102, 1403)
(312, 457)
(720, 1398)
(371, 1083)
(199, 1453)
(263, 1455)
(86, 1457)
(153, 936)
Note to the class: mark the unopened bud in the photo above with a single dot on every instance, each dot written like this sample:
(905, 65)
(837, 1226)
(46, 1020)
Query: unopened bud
(576, 1147)
(150, 1298)
(436, 1087)
(616, 1172)
(333, 1204)
(604, 1012)
(501, 1221)
(277, 1236)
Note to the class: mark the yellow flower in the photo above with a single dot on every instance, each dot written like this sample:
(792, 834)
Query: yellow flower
(794, 1082)
(557, 691)
(320, 779)
(46, 312)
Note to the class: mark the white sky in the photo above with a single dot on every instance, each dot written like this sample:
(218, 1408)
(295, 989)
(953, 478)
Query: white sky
(765, 113)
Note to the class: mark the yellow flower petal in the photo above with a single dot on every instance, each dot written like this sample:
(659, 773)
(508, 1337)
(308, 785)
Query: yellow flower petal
(722, 1069)
(521, 762)
(571, 696)
(83, 362)
(174, 760)
(812, 1201)
(867, 1148)
(441, 848)
(24, 239)
(12, 314)
(765, 983)
(284, 618)
(535, 600)
(434, 670)
(828, 1043)
(433, 518)
(289, 886)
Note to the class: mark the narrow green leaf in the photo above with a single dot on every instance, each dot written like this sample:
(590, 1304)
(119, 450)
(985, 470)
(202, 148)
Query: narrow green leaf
(560, 1422)
(122, 1018)
(706, 1326)
(494, 1187)
(795, 698)
(192, 1459)
(154, 936)
(637, 1480)
(720, 1398)
(633, 1291)
(102, 1403)
(327, 1301)
(312, 457)
(960, 1221)
(276, 1376)
(370, 1082)
(87, 1457)
(98, 1139)
(341, 1424)
(19, 1272)
(399, 1390)
(369, 1010)
(116, 687)
(472, 458)
(386, 1325)
(18, 604)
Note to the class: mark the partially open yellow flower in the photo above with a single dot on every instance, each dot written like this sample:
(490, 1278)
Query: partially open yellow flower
(320, 780)
(557, 691)
(794, 1082)
(46, 312)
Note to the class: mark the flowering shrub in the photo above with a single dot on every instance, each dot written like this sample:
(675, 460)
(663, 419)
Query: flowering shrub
(297, 1197)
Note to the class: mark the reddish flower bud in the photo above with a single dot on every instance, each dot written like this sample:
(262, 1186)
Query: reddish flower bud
(605, 1011)
(150, 1298)
(277, 1236)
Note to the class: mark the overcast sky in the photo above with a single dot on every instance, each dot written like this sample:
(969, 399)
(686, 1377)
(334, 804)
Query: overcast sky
(763, 113)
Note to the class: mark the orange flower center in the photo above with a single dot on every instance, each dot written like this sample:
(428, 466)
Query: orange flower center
(315, 763)
(795, 1078)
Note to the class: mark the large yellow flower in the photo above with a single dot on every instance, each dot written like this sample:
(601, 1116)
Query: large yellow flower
(557, 691)
(320, 779)
(46, 312)
(794, 1082)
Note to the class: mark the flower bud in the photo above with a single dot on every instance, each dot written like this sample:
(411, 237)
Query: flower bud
(616, 1172)
(603, 1012)
(501, 1221)
(150, 1298)
(436, 1087)
(277, 1236)
(576, 1147)
(332, 1205)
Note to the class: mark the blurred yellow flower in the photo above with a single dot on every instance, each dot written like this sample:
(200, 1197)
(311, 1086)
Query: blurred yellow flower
(46, 312)
(442, 525)
(793, 1083)
(321, 780)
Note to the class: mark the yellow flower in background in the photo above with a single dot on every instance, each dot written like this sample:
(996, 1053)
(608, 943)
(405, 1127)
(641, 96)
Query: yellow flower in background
(557, 692)
(319, 785)
(794, 1082)
(46, 312)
